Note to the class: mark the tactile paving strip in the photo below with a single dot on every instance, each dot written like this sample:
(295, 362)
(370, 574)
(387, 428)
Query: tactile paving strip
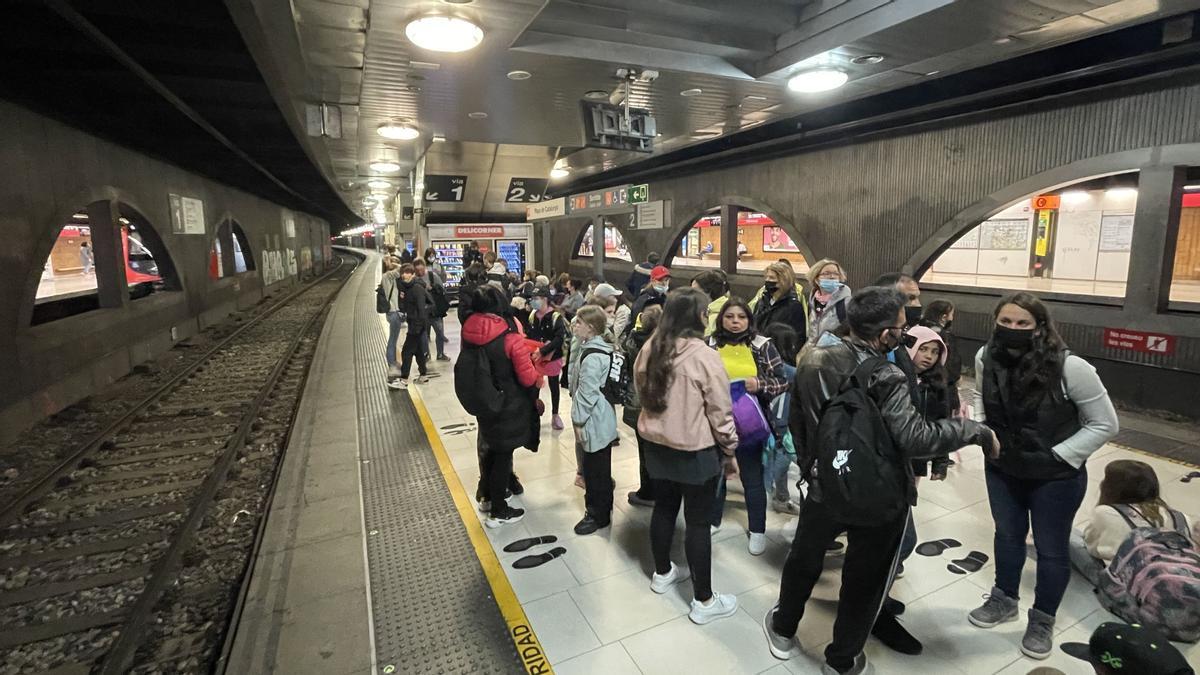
(434, 610)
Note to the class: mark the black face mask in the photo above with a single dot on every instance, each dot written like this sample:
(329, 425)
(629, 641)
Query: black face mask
(770, 287)
(1010, 344)
(912, 315)
(946, 326)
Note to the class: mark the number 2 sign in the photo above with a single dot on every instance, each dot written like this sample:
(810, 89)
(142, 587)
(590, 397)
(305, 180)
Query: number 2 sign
(526, 190)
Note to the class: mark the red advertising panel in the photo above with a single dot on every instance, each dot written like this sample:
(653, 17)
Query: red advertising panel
(1138, 341)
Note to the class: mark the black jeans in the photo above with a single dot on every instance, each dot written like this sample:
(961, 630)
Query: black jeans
(750, 471)
(597, 477)
(495, 467)
(415, 344)
(646, 485)
(866, 574)
(697, 542)
(1051, 506)
(555, 394)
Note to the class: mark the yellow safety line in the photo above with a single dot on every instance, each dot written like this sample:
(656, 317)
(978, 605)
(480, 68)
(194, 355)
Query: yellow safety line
(533, 657)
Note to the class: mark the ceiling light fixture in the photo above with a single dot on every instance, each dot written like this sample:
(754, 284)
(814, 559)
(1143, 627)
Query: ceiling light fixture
(385, 166)
(558, 172)
(444, 33)
(694, 91)
(818, 80)
(378, 184)
(1075, 196)
(477, 115)
(1121, 192)
(595, 94)
(1191, 187)
(438, 138)
(519, 75)
(399, 132)
(867, 59)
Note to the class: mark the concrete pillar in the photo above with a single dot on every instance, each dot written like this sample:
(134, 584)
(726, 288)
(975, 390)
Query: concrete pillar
(1155, 231)
(598, 247)
(729, 238)
(544, 261)
(104, 221)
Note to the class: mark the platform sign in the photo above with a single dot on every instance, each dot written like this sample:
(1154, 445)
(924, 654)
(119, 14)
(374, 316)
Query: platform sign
(1138, 341)
(445, 188)
(550, 208)
(187, 214)
(526, 190)
(650, 216)
(608, 200)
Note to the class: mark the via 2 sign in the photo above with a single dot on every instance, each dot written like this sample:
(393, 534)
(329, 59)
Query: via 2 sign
(526, 190)
(1138, 341)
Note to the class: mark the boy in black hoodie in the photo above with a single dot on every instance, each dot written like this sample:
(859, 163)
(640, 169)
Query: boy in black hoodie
(417, 306)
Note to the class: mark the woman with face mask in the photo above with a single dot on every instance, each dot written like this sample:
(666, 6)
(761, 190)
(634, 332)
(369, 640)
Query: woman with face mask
(830, 293)
(779, 303)
(1050, 411)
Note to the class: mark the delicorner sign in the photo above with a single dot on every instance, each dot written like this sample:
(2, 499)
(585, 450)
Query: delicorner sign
(551, 208)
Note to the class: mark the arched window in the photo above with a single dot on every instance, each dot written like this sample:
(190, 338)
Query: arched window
(760, 242)
(1073, 239)
(148, 268)
(614, 244)
(230, 252)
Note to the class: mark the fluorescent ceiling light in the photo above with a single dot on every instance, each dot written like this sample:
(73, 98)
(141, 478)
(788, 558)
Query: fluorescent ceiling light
(557, 172)
(444, 33)
(1075, 196)
(385, 166)
(399, 132)
(818, 80)
(378, 184)
(438, 138)
(1121, 192)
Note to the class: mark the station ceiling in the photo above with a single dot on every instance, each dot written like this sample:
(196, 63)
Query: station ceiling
(733, 60)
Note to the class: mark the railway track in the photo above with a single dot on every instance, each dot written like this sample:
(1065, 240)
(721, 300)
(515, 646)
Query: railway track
(129, 556)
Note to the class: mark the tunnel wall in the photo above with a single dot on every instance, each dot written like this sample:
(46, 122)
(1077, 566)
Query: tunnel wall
(51, 171)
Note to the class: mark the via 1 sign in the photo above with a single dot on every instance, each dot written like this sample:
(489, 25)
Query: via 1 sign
(526, 190)
(1137, 341)
(445, 188)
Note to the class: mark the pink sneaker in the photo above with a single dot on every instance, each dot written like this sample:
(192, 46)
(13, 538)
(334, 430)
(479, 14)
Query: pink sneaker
(556, 423)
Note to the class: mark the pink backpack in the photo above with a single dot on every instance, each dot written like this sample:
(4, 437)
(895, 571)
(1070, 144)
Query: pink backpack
(1154, 579)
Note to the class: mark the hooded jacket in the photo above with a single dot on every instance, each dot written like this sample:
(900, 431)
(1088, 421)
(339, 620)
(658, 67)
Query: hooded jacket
(822, 373)
(517, 424)
(498, 277)
(931, 398)
(827, 318)
(415, 303)
(699, 412)
(590, 410)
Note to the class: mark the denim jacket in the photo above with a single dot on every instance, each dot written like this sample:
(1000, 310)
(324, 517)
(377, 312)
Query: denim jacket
(589, 409)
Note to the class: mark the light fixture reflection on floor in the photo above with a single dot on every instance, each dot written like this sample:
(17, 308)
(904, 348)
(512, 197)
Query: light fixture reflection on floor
(444, 33)
(378, 184)
(818, 80)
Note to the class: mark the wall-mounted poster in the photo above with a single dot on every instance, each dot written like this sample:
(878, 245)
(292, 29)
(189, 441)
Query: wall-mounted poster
(1004, 235)
(1116, 231)
(968, 240)
(777, 241)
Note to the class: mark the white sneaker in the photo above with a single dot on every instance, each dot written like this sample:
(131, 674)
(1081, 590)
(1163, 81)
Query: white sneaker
(713, 529)
(396, 383)
(758, 543)
(420, 379)
(661, 583)
(718, 607)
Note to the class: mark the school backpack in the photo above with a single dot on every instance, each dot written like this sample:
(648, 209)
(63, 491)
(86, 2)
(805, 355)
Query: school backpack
(474, 382)
(383, 301)
(1154, 579)
(616, 388)
(858, 472)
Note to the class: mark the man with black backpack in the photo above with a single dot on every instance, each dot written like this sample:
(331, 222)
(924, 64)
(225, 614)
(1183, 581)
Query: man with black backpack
(857, 431)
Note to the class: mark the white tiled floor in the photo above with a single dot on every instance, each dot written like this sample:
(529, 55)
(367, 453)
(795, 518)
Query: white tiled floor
(593, 610)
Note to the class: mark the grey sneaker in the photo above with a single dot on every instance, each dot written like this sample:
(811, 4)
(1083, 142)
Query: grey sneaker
(1039, 635)
(859, 667)
(997, 608)
(781, 647)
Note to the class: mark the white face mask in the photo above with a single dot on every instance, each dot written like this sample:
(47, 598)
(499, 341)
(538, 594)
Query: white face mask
(662, 288)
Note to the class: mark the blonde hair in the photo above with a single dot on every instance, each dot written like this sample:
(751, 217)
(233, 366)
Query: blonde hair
(815, 271)
(594, 318)
(787, 278)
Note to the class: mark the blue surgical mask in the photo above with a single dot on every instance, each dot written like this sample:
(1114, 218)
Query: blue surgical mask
(662, 288)
(537, 304)
(829, 285)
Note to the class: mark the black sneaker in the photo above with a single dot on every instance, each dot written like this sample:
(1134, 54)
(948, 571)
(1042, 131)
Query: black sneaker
(504, 517)
(588, 525)
(894, 636)
(893, 606)
(514, 485)
(835, 547)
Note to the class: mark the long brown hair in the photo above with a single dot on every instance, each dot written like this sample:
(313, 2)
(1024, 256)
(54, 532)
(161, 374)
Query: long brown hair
(683, 317)
(1040, 369)
(1128, 481)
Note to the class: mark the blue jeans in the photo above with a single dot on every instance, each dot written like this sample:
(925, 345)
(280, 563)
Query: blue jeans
(1050, 505)
(439, 330)
(776, 474)
(750, 470)
(395, 323)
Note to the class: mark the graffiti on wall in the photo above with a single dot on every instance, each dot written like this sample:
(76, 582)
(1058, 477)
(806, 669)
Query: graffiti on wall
(278, 265)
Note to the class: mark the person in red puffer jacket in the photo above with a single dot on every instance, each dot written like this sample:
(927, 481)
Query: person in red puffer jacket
(492, 328)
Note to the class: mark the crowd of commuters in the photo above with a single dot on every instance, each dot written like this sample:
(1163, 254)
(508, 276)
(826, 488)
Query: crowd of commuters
(716, 388)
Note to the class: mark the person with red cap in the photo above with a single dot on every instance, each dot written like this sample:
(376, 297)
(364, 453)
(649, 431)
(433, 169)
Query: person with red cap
(654, 293)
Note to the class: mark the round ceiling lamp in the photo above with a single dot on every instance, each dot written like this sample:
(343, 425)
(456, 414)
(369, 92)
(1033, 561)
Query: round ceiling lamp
(595, 94)
(399, 132)
(385, 166)
(444, 33)
(378, 184)
(694, 91)
(519, 75)
(818, 80)
(559, 172)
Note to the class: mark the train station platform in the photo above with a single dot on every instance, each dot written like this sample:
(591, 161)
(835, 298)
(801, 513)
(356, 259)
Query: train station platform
(375, 559)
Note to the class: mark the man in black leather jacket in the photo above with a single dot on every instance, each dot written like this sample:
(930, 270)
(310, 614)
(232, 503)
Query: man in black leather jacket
(875, 317)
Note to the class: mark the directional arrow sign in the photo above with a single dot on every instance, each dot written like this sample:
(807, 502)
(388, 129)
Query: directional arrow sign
(445, 188)
(525, 190)
(639, 194)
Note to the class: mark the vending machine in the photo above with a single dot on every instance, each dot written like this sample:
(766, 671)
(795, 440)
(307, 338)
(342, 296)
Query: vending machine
(450, 255)
(512, 252)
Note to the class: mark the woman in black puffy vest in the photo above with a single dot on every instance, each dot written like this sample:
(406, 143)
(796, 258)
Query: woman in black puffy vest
(1050, 411)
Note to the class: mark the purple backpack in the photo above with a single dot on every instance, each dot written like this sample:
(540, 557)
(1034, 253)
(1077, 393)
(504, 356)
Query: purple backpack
(1154, 579)
(752, 426)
